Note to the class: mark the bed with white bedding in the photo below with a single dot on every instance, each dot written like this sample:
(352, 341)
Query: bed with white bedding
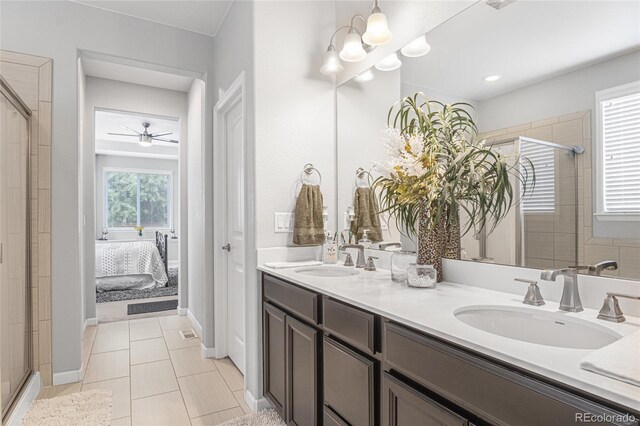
(126, 265)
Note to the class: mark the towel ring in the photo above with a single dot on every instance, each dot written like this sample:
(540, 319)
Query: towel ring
(360, 173)
(308, 169)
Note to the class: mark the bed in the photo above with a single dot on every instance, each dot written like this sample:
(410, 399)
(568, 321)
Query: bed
(129, 265)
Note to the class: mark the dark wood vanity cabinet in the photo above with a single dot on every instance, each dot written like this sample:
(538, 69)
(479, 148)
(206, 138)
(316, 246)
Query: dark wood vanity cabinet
(327, 362)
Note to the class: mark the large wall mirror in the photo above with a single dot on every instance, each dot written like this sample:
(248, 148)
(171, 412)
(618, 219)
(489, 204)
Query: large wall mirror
(557, 82)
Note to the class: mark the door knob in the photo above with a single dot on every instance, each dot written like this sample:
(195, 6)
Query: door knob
(226, 247)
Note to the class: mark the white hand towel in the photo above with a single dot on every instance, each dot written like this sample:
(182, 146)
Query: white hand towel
(619, 360)
(281, 265)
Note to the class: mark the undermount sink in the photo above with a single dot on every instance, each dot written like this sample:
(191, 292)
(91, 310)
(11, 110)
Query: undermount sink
(328, 272)
(540, 327)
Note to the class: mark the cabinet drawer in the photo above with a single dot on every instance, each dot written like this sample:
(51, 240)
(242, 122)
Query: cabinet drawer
(296, 300)
(490, 391)
(350, 324)
(349, 383)
(404, 406)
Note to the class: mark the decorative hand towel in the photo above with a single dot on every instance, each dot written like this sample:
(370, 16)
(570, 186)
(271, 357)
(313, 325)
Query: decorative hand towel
(300, 264)
(367, 215)
(618, 360)
(308, 227)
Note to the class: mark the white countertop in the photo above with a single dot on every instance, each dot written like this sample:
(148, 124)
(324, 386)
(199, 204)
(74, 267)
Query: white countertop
(432, 311)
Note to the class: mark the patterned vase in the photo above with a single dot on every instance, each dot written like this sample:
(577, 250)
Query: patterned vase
(438, 242)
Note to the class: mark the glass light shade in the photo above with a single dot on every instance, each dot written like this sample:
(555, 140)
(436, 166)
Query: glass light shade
(390, 63)
(418, 47)
(377, 32)
(144, 141)
(331, 64)
(352, 51)
(365, 76)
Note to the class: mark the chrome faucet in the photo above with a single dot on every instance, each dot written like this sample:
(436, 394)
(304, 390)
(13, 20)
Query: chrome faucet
(360, 261)
(570, 300)
(600, 266)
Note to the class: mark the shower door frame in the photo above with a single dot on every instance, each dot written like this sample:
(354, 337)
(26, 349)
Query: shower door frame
(11, 95)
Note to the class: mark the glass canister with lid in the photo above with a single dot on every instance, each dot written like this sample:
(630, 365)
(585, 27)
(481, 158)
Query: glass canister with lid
(400, 262)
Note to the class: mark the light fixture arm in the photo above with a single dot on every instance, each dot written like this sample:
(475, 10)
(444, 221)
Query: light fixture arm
(364, 21)
(334, 35)
(375, 8)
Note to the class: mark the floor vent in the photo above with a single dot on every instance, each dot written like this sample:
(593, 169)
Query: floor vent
(188, 334)
(499, 4)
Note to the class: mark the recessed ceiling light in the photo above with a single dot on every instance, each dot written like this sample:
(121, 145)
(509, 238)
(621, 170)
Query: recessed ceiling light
(490, 78)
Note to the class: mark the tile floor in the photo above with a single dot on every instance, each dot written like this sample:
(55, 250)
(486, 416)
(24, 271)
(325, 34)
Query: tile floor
(157, 378)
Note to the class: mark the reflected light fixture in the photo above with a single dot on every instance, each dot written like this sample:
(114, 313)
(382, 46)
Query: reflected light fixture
(377, 32)
(390, 63)
(491, 78)
(418, 47)
(364, 76)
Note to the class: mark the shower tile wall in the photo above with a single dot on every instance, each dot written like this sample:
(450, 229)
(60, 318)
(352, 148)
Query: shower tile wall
(30, 76)
(546, 231)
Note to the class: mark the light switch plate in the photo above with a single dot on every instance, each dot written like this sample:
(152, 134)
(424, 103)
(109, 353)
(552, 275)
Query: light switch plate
(283, 222)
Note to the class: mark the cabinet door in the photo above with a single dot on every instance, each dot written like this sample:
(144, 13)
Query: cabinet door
(404, 406)
(301, 407)
(273, 323)
(349, 383)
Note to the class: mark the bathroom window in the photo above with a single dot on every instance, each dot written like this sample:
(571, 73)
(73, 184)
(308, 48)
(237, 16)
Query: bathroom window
(618, 153)
(543, 197)
(137, 198)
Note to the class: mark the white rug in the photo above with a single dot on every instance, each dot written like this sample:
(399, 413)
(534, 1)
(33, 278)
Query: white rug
(92, 408)
(261, 418)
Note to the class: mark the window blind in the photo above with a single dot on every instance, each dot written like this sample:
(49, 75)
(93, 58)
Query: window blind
(543, 197)
(621, 154)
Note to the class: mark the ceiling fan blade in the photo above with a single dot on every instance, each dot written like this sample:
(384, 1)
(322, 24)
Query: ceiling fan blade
(166, 140)
(134, 131)
(153, 135)
(122, 134)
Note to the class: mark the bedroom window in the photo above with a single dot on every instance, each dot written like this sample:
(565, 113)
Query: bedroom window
(137, 198)
(618, 153)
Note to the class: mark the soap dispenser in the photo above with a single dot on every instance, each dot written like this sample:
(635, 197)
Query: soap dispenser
(365, 241)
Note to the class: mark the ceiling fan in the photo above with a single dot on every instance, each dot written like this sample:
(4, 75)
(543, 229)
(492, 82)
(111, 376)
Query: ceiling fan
(145, 138)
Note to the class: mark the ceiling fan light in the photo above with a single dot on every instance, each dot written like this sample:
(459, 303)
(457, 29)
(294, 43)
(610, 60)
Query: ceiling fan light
(418, 47)
(377, 32)
(331, 64)
(145, 141)
(352, 50)
(390, 63)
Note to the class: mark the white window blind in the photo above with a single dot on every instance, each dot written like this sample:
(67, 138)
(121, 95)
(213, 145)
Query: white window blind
(621, 154)
(542, 197)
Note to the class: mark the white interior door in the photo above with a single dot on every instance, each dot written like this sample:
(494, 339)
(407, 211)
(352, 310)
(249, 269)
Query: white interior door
(234, 138)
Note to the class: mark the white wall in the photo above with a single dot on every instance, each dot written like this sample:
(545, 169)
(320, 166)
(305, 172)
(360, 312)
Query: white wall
(566, 94)
(155, 164)
(57, 29)
(295, 109)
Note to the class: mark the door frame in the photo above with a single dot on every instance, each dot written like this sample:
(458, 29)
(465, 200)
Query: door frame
(232, 96)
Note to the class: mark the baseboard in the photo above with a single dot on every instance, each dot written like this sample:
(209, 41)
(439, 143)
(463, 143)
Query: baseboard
(66, 377)
(29, 395)
(89, 322)
(207, 352)
(182, 311)
(194, 323)
(256, 404)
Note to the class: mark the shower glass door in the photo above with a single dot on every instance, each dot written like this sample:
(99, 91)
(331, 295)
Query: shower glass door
(15, 306)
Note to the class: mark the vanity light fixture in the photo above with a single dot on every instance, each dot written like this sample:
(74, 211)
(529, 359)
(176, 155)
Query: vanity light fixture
(492, 78)
(352, 49)
(390, 63)
(331, 64)
(364, 76)
(377, 32)
(418, 47)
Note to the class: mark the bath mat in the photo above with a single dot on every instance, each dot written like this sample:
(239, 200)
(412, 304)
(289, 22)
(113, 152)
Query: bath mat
(267, 417)
(92, 408)
(143, 308)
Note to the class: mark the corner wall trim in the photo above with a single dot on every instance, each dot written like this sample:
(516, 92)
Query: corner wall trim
(88, 323)
(256, 404)
(182, 311)
(207, 352)
(66, 377)
(194, 323)
(29, 395)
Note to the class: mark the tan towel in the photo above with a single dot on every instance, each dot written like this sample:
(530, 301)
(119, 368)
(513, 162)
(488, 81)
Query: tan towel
(367, 216)
(308, 225)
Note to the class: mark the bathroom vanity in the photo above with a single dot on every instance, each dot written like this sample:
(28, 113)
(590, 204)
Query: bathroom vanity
(361, 350)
